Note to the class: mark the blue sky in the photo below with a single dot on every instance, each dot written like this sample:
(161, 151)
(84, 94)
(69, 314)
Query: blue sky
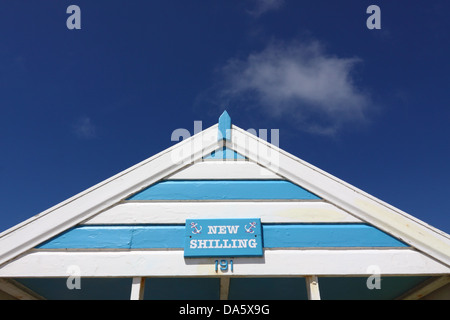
(368, 106)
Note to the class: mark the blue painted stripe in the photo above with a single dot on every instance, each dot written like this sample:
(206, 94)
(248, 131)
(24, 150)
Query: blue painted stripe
(118, 237)
(224, 190)
(326, 235)
(224, 154)
(173, 236)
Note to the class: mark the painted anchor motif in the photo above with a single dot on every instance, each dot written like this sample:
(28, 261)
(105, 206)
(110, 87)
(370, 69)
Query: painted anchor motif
(250, 229)
(195, 227)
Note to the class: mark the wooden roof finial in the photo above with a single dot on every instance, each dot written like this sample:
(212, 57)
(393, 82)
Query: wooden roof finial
(224, 127)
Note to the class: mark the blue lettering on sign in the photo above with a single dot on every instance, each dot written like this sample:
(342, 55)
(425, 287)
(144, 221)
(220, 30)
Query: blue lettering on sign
(223, 238)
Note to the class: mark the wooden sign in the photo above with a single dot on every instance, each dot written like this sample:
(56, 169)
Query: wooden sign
(223, 238)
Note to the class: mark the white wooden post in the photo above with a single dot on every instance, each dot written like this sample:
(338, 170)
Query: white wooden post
(137, 288)
(312, 286)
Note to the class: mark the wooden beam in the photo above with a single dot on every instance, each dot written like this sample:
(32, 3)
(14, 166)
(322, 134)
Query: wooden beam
(137, 288)
(224, 288)
(425, 288)
(312, 286)
(18, 290)
(143, 263)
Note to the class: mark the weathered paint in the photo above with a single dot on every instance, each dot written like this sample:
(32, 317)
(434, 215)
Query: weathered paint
(176, 212)
(224, 154)
(173, 236)
(118, 237)
(171, 263)
(224, 190)
(224, 170)
(326, 235)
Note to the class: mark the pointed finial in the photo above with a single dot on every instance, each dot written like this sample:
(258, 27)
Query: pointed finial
(224, 127)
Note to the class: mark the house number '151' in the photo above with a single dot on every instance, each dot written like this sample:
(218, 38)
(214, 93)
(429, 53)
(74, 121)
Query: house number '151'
(223, 265)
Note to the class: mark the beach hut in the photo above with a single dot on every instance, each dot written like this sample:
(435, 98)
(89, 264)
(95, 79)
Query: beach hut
(224, 215)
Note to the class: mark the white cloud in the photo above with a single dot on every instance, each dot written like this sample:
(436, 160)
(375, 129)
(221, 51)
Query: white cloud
(262, 6)
(299, 82)
(84, 128)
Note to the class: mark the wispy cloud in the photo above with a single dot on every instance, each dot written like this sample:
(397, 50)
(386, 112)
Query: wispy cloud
(84, 128)
(262, 6)
(298, 82)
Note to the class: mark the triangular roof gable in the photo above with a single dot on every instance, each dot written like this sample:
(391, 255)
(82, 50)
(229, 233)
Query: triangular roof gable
(85, 205)
(362, 205)
(105, 194)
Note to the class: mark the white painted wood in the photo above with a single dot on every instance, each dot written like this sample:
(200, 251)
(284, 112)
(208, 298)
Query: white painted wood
(224, 170)
(351, 199)
(82, 206)
(178, 212)
(18, 290)
(224, 288)
(146, 263)
(137, 288)
(442, 293)
(312, 287)
(426, 288)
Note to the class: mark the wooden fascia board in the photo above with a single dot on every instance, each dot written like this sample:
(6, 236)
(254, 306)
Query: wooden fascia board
(170, 263)
(84, 205)
(345, 196)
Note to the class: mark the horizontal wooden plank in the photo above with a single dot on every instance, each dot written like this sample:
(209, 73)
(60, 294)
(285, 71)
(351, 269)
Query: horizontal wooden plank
(326, 235)
(178, 212)
(224, 190)
(173, 236)
(148, 263)
(223, 170)
(118, 237)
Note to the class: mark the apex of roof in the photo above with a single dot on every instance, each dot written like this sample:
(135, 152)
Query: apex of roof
(85, 205)
(224, 127)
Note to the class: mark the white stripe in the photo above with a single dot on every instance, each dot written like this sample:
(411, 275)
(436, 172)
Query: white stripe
(224, 170)
(274, 263)
(178, 212)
